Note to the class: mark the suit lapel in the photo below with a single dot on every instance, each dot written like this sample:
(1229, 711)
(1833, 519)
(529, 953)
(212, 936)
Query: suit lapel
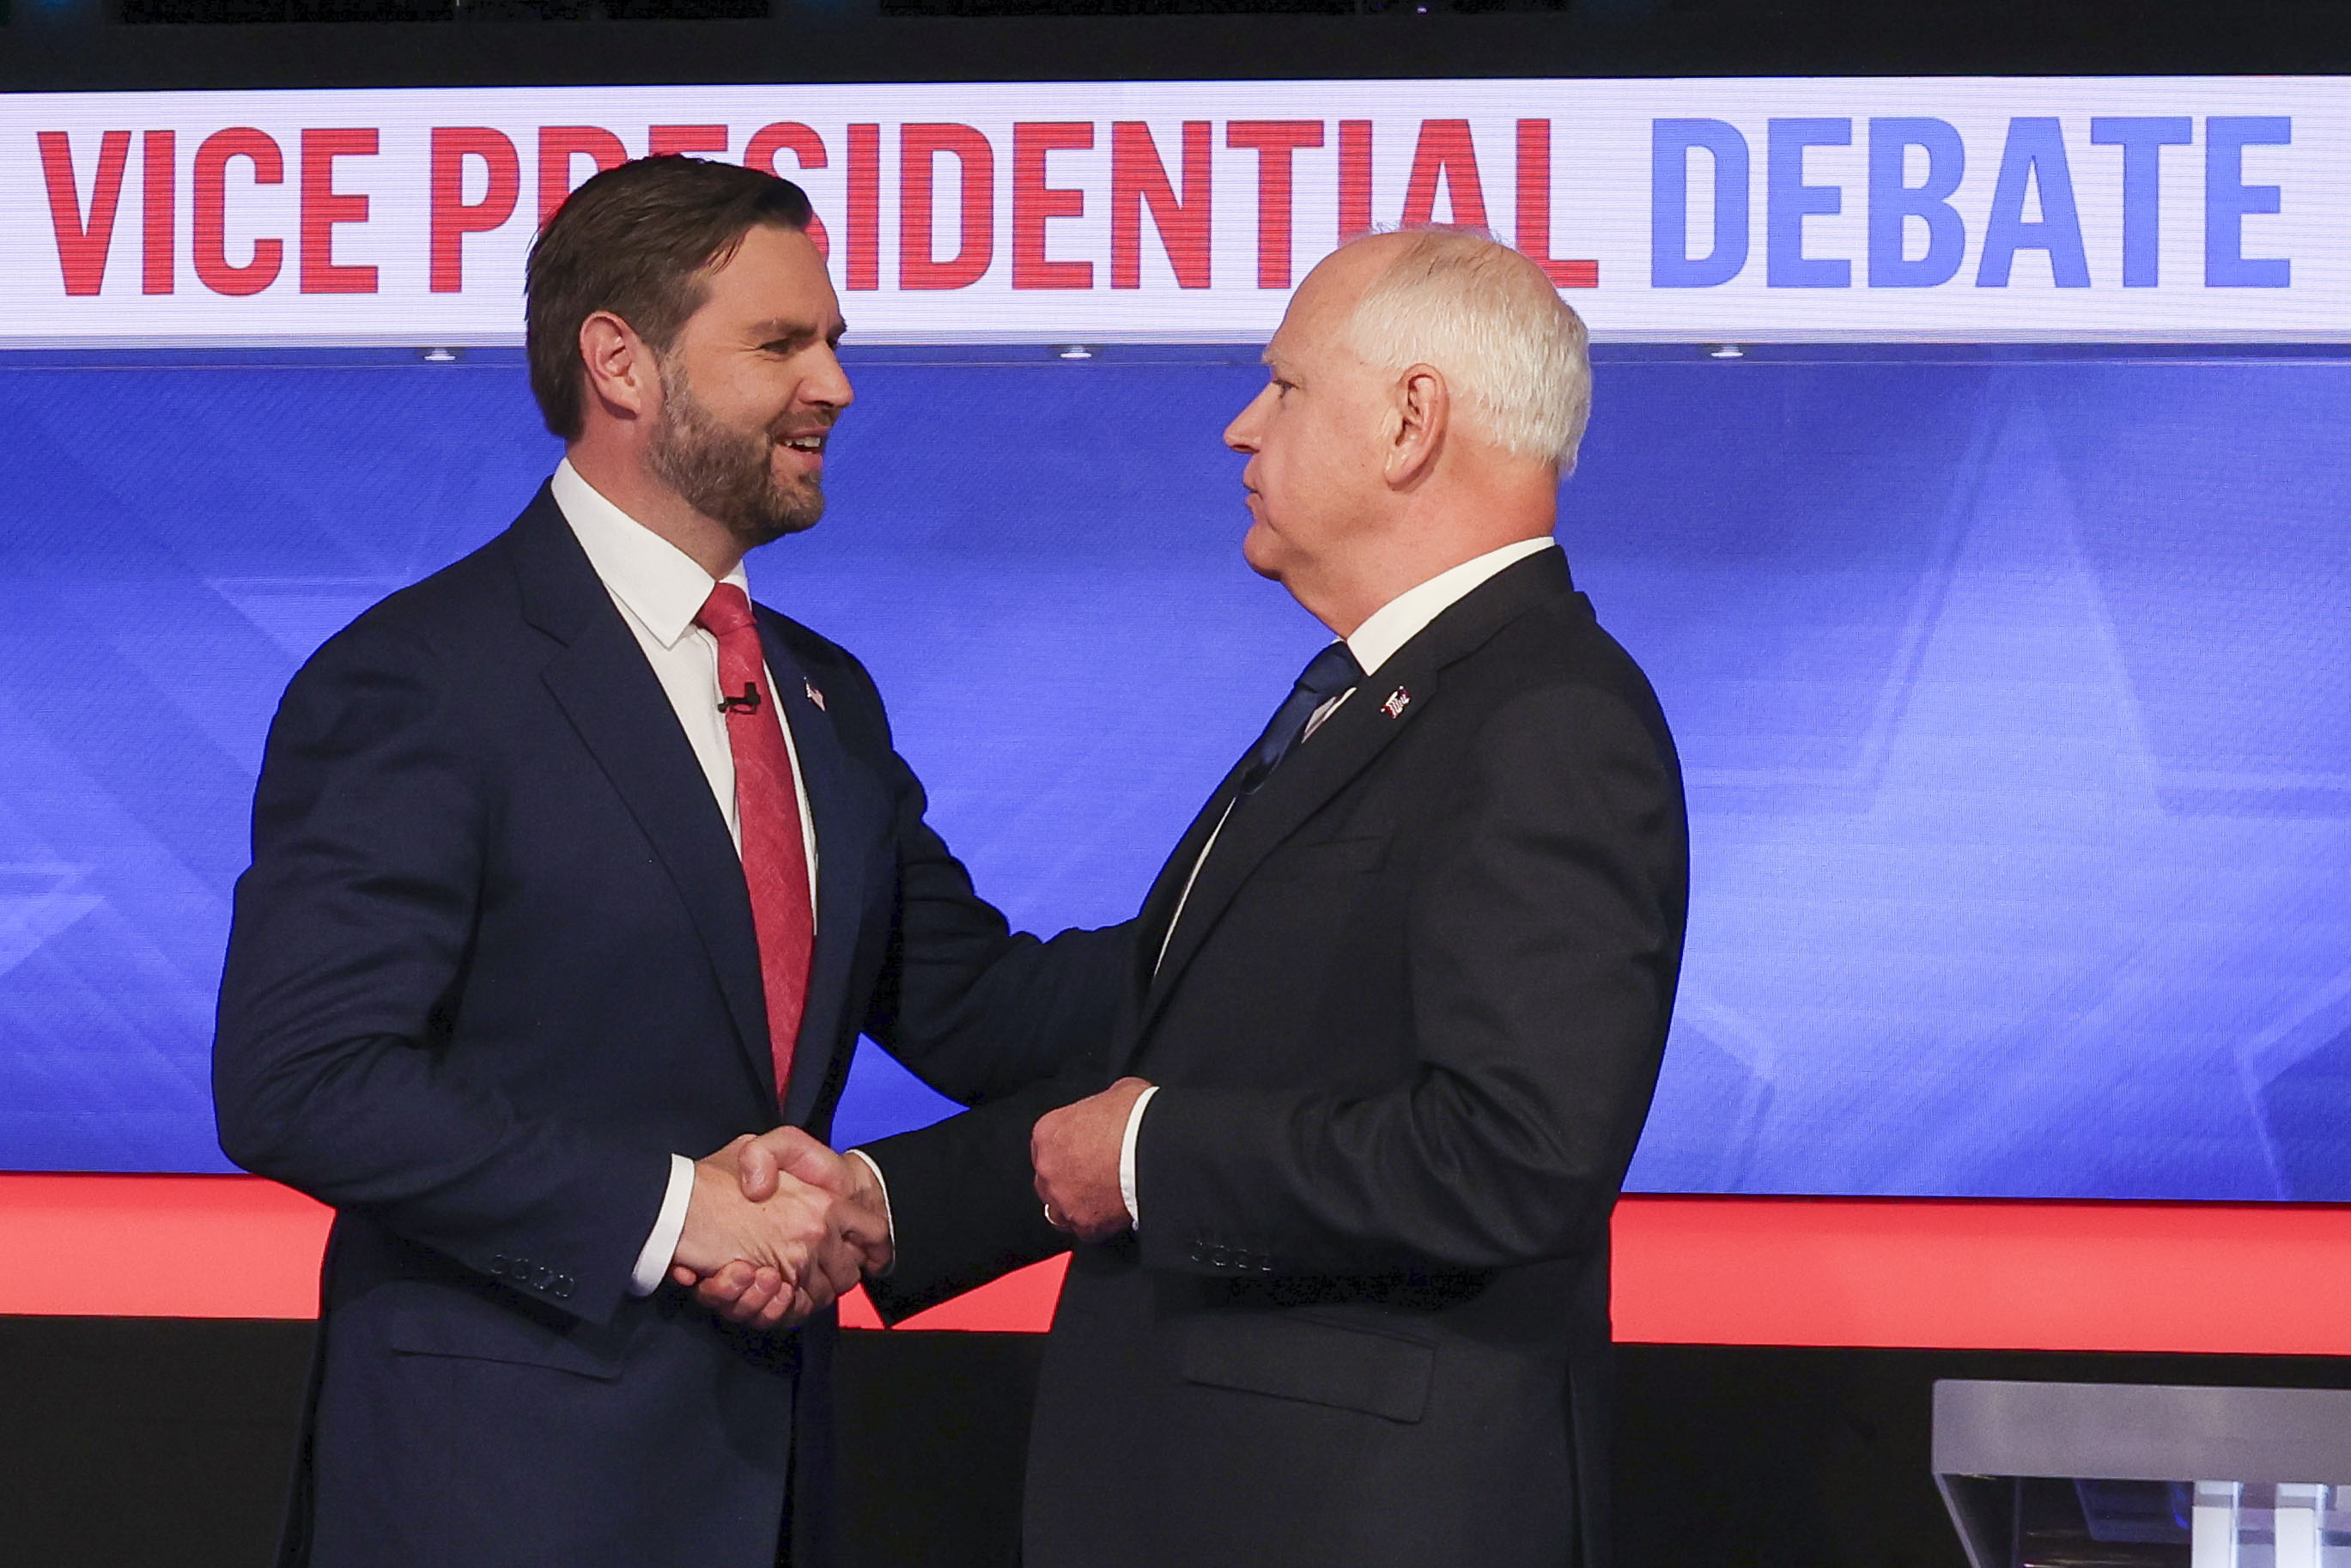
(1322, 765)
(623, 717)
(1161, 903)
(1382, 705)
(842, 799)
(1166, 894)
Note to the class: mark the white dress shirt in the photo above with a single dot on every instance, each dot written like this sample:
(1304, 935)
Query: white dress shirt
(1382, 633)
(659, 590)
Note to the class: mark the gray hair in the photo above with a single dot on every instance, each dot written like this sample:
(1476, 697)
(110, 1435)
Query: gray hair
(1486, 317)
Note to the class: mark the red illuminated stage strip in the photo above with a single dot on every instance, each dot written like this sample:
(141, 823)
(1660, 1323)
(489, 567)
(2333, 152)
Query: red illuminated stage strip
(2247, 1279)
(158, 1247)
(2224, 1278)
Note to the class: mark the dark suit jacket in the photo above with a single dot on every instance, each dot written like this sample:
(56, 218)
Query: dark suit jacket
(492, 964)
(1408, 1028)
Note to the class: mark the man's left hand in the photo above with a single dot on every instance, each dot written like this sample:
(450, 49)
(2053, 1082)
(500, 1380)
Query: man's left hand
(1075, 1150)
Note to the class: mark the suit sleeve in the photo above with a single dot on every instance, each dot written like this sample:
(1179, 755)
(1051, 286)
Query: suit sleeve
(1543, 933)
(993, 1019)
(1002, 1022)
(963, 1209)
(347, 951)
(971, 1007)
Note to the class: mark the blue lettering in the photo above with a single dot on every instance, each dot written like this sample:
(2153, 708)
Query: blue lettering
(2228, 199)
(1789, 202)
(2142, 139)
(1671, 141)
(1893, 203)
(2034, 158)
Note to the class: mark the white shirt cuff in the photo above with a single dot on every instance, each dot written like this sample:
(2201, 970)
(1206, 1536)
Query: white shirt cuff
(660, 1247)
(889, 1222)
(1126, 1155)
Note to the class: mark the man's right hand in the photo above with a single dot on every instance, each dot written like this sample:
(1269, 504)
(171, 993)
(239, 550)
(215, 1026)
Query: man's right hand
(777, 1226)
(862, 1212)
(764, 1263)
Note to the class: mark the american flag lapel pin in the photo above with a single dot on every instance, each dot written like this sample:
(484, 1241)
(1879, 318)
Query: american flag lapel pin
(1393, 707)
(814, 695)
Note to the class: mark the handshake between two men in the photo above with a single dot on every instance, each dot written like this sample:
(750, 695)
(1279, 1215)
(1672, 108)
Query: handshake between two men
(780, 1226)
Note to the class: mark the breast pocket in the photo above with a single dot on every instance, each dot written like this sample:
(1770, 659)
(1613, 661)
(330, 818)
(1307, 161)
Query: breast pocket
(1325, 858)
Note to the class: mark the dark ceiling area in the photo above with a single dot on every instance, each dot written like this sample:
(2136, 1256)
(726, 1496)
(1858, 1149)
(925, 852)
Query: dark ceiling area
(90, 45)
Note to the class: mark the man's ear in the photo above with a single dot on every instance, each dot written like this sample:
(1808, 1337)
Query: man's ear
(622, 376)
(1419, 422)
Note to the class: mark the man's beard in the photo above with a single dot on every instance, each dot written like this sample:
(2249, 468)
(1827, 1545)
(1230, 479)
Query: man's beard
(726, 473)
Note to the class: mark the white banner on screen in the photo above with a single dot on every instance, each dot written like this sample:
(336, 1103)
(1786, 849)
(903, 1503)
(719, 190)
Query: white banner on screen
(2188, 209)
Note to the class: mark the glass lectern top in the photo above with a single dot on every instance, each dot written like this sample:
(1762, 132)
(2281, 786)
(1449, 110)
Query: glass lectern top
(2069, 1475)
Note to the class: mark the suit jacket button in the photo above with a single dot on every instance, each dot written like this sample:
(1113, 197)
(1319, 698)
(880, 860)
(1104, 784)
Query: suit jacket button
(1222, 1258)
(498, 1264)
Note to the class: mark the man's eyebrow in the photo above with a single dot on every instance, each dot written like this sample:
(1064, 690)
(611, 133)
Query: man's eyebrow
(783, 330)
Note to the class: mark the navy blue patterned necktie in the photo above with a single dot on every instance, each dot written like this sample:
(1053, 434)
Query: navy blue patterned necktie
(1328, 674)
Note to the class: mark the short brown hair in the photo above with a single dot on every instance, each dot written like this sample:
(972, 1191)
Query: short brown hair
(637, 240)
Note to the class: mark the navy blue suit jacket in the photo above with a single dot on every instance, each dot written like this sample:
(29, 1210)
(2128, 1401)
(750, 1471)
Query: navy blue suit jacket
(492, 964)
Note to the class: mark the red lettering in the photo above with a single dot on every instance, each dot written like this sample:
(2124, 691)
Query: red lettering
(1274, 141)
(1034, 203)
(1138, 179)
(560, 146)
(864, 206)
(211, 179)
(790, 136)
(1354, 179)
(82, 244)
(158, 169)
(1445, 151)
(918, 150)
(685, 139)
(784, 136)
(1534, 211)
(454, 217)
(323, 207)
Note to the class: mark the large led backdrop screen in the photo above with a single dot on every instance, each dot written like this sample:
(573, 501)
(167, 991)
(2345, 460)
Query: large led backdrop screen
(2005, 647)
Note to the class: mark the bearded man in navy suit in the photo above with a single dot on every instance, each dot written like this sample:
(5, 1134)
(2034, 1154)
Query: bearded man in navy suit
(572, 869)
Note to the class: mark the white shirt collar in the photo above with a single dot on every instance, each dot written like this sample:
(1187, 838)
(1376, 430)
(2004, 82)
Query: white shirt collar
(660, 585)
(1403, 617)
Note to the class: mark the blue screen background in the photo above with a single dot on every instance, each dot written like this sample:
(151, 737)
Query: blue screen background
(2013, 690)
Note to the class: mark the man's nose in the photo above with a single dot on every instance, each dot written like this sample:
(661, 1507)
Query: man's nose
(830, 384)
(1241, 433)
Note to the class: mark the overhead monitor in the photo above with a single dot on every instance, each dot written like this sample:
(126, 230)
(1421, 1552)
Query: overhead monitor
(1967, 470)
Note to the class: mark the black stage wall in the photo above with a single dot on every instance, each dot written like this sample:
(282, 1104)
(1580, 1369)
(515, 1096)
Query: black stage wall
(69, 46)
(137, 1442)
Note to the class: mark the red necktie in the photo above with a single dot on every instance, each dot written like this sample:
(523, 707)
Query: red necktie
(768, 811)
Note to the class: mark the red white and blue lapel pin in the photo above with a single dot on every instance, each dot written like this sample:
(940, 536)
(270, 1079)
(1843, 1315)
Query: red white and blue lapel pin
(1393, 707)
(814, 695)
